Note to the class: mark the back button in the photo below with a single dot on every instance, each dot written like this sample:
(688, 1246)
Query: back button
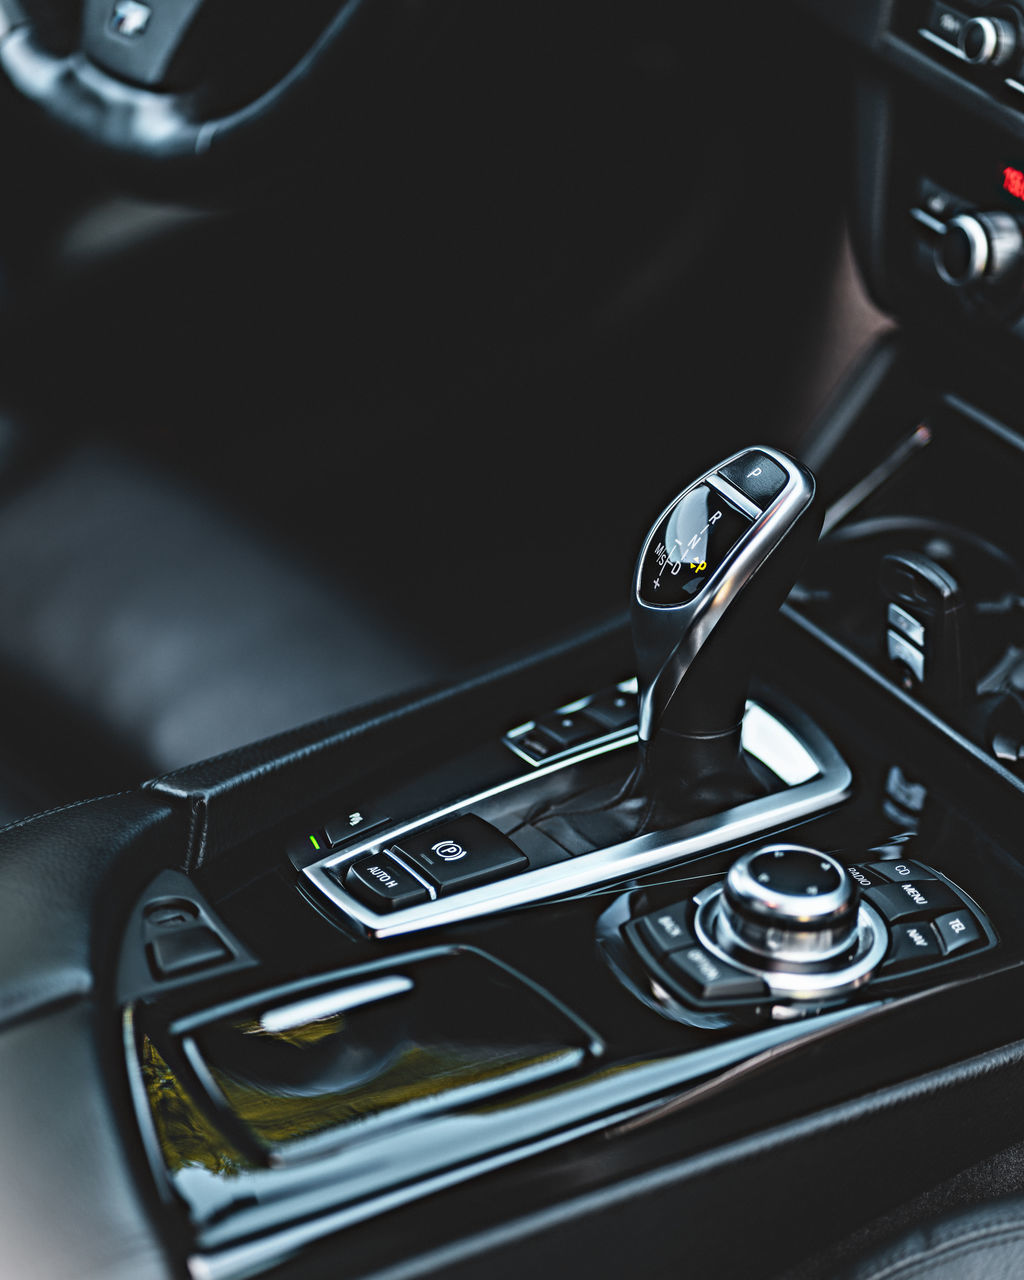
(667, 930)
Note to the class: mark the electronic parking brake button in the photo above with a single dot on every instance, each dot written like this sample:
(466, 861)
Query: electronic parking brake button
(461, 853)
(381, 883)
(913, 898)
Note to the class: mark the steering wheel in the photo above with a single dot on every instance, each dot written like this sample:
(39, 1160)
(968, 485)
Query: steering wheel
(210, 86)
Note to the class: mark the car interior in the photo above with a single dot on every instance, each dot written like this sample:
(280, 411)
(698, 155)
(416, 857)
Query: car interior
(511, 640)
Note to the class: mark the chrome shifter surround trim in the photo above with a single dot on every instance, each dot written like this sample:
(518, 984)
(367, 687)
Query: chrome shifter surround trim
(621, 861)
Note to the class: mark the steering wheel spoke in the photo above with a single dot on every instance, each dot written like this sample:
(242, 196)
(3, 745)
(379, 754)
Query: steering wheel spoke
(138, 40)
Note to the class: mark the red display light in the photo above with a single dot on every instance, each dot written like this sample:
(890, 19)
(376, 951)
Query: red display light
(1013, 182)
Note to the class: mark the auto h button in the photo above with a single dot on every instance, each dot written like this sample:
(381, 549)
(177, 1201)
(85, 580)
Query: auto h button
(461, 853)
(381, 882)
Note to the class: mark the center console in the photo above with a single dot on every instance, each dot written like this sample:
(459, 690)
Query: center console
(577, 929)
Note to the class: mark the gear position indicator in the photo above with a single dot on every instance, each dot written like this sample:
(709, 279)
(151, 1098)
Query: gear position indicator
(688, 546)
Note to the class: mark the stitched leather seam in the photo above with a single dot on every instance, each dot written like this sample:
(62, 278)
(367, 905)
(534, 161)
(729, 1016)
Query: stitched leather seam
(62, 808)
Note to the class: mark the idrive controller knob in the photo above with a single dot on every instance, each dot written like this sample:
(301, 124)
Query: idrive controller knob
(788, 905)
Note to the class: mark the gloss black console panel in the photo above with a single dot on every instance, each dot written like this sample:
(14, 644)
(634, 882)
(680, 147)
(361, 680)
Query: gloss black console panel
(278, 1111)
(947, 509)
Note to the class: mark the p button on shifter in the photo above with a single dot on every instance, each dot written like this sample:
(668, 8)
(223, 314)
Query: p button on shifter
(460, 854)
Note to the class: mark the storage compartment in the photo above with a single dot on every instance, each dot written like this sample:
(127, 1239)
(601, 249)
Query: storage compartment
(321, 1092)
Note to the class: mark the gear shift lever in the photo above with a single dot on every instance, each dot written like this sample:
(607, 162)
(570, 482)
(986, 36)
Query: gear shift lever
(719, 561)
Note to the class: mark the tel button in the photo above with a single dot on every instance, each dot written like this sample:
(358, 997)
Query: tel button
(957, 930)
(383, 884)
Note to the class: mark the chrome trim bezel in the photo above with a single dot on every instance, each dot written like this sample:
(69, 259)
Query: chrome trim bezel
(618, 862)
(979, 251)
(991, 41)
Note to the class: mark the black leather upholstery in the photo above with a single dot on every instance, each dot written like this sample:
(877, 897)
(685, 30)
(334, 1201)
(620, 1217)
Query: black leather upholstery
(59, 894)
(233, 796)
(75, 1207)
(985, 1242)
(140, 626)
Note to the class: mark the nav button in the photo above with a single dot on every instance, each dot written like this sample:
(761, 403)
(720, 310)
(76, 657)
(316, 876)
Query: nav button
(912, 945)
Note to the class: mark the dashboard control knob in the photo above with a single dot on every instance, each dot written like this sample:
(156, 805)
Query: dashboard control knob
(979, 248)
(987, 41)
(786, 904)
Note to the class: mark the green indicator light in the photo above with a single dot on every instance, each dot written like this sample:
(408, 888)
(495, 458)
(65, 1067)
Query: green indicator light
(313, 841)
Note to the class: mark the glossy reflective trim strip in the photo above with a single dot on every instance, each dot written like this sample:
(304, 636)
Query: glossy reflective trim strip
(777, 747)
(926, 220)
(316, 1008)
(1015, 85)
(843, 506)
(939, 43)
